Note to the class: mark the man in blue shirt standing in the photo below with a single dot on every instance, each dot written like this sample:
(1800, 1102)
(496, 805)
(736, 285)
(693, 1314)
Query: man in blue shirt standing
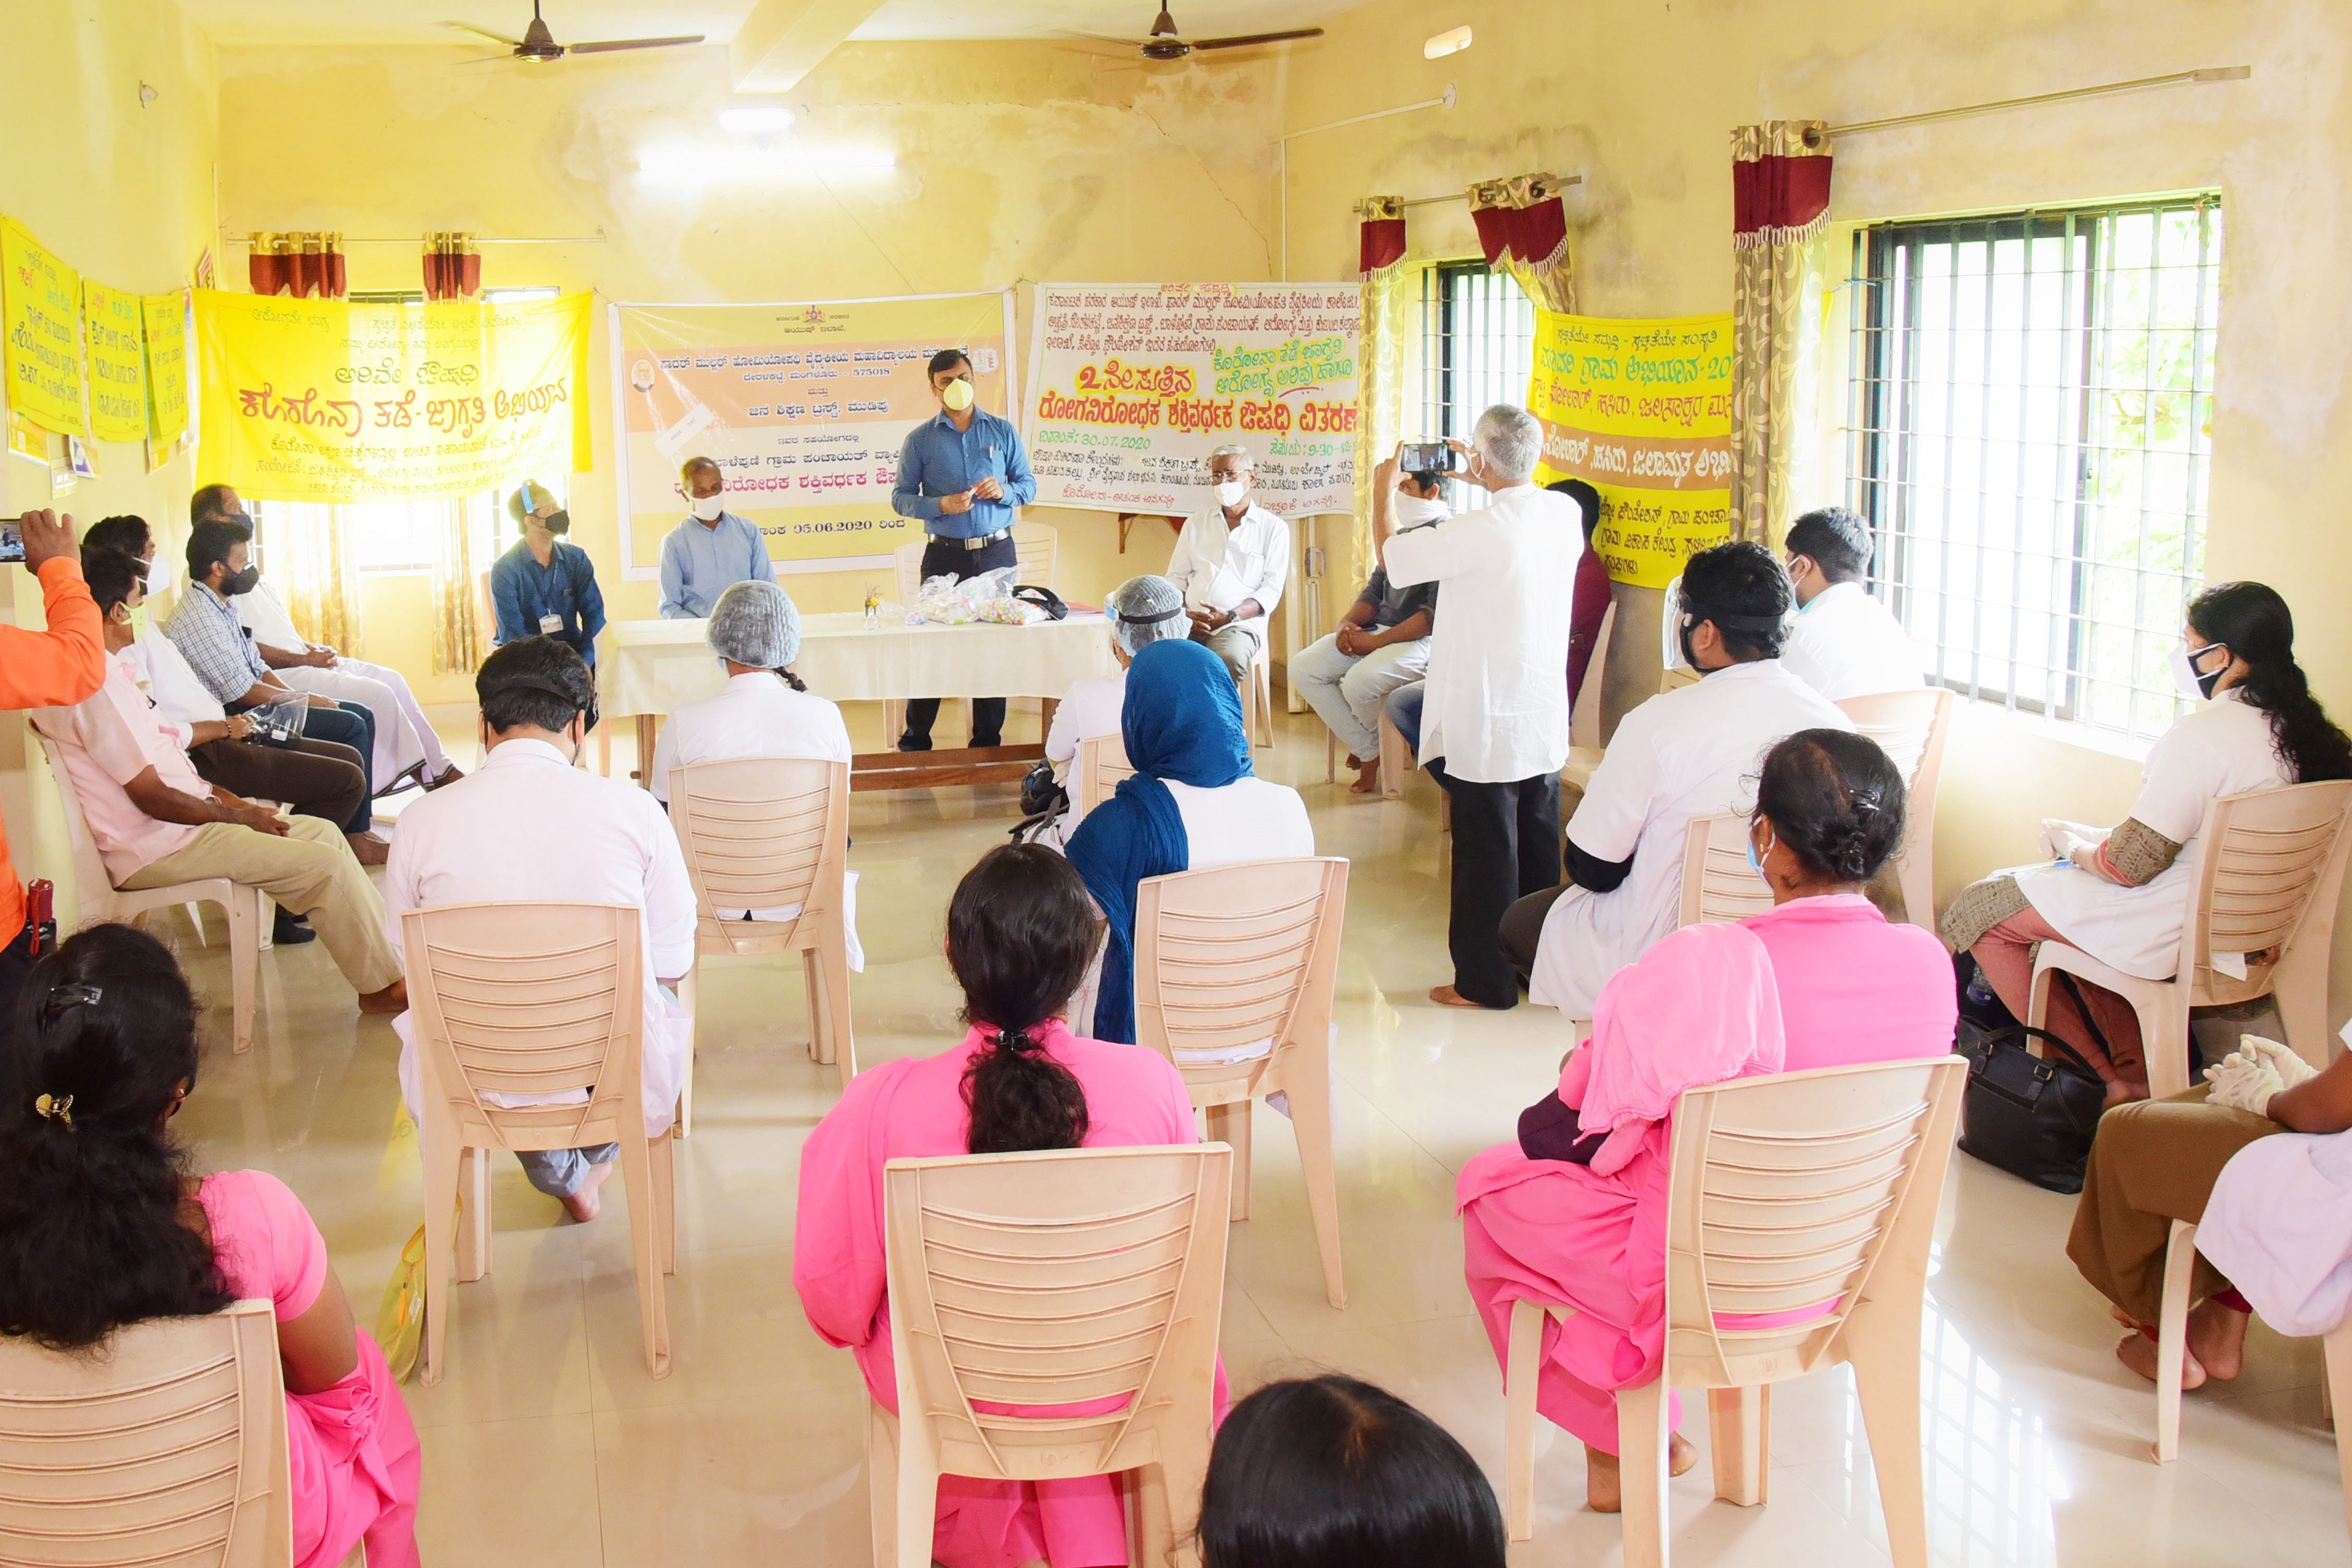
(543, 586)
(960, 475)
(711, 551)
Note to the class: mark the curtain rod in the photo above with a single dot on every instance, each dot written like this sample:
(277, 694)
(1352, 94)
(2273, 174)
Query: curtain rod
(1446, 100)
(2176, 79)
(418, 238)
(1563, 181)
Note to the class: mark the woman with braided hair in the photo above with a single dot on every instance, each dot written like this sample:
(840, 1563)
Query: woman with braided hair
(103, 1223)
(1020, 932)
(1575, 1209)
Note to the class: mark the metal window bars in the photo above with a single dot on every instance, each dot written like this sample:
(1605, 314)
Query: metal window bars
(2029, 432)
(1478, 349)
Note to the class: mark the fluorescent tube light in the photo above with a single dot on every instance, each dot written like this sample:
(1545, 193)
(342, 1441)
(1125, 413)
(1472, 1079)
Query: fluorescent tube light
(755, 117)
(752, 160)
(1451, 42)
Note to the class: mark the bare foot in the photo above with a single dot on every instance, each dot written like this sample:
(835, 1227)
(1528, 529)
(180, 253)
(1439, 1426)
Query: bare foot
(1367, 778)
(393, 998)
(1354, 761)
(1604, 1490)
(1446, 996)
(2217, 1338)
(583, 1205)
(2137, 1352)
(368, 849)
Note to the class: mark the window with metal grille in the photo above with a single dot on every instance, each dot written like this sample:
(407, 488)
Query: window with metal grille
(1477, 346)
(2029, 434)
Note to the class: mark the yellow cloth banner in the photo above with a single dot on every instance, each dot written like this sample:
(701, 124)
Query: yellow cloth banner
(118, 363)
(40, 310)
(166, 319)
(1642, 409)
(320, 400)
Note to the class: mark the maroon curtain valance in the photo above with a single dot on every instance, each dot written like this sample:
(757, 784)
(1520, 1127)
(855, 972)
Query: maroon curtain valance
(453, 268)
(1778, 196)
(1380, 240)
(307, 266)
(1521, 218)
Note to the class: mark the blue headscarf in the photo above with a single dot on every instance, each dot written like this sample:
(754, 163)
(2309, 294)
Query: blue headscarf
(1181, 721)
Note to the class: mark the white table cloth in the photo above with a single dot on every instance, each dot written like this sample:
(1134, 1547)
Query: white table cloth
(657, 667)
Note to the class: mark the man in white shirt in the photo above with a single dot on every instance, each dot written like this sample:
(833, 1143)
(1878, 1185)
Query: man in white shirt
(1845, 643)
(1232, 562)
(531, 825)
(406, 744)
(1494, 726)
(1142, 610)
(1689, 753)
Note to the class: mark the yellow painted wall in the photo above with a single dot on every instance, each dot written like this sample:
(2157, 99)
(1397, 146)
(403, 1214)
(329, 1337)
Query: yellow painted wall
(123, 193)
(1016, 163)
(1638, 96)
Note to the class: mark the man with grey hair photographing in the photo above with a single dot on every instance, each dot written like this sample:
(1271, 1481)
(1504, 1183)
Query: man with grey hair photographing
(1494, 728)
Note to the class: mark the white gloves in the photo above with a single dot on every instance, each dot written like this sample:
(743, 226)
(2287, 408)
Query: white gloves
(2063, 840)
(2291, 1068)
(2242, 1083)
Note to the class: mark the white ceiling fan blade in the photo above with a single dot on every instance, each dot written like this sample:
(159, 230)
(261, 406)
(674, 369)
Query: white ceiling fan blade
(613, 46)
(485, 33)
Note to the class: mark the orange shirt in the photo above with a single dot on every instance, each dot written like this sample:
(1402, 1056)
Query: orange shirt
(54, 669)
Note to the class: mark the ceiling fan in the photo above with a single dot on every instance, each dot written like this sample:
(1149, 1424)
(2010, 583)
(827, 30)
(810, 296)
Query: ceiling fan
(537, 46)
(1164, 44)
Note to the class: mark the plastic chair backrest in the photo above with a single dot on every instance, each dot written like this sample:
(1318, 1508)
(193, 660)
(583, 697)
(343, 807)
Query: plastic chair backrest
(1055, 1279)
(1235, 954)
(1101, 764)
(908, 560)
(1792, 1194)
(2262, 856)
(170, 1447)
(93, 889)
(1038, 548)
(762, 833)
(529, 998)
(1717, 882)
(1584, 716)
(1910, 727)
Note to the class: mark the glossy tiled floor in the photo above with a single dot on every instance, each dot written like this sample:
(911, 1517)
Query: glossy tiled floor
(547, 1443)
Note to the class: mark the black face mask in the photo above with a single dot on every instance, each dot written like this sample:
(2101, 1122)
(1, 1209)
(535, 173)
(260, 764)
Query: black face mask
(242, 581)
(556, 522)
(1690, 656)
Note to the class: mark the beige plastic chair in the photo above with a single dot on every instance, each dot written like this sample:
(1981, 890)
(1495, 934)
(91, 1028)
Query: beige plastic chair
(1798, 1191)
(1051, 1280)
(1397, 760)
(770, 833)
(1584, 746)
(1094, 774)
(169, 1447)
(2269, 866)
(101, 900)
(530, 999)
(1036, 548)
(1913, 727)
(1240, 955)
(1717, 882)
(2172, 1342)
(1257, 699)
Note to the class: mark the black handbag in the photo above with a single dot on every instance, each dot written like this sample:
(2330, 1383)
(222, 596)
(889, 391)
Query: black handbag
(2033, 1116)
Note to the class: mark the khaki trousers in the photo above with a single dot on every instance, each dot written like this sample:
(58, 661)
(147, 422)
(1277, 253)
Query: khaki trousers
(311, 871)
(2151, 1163)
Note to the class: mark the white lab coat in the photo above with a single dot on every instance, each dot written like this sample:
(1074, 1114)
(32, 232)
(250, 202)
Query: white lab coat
(1496, 704)
(1249, 819)
(1218, 567)
(182, 700)
(2223, 748)
(1847, 644)
(1689, 753)
(404, 736)
(527, 826)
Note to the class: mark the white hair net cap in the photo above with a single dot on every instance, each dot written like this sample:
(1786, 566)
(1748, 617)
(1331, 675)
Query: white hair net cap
(755, 623)
(1147, 609)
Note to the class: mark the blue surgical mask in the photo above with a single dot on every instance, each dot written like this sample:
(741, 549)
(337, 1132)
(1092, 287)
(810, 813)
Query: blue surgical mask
(1749, 843)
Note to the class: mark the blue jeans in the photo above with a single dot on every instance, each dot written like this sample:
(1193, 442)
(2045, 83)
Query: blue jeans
(1404, 712)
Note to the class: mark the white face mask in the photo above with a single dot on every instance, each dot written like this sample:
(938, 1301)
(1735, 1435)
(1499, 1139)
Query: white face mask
(157, 575)
(2195, 684)
(708, 507)
(1230, 492)
(1670, 627)
(1411, 511)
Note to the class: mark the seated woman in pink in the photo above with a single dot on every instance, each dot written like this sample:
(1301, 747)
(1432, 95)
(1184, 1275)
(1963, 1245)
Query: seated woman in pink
(1567, 1214)
(100, 1227)
(1020, 932)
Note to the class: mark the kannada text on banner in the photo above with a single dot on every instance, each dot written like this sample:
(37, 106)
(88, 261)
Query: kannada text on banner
(1642, 409)
(118, 363)
(164, 318)
(40, 310)
(803, 406)
(320, 400)
(1136, 385)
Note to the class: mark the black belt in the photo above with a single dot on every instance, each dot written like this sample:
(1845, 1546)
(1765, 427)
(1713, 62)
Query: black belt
(979, 544)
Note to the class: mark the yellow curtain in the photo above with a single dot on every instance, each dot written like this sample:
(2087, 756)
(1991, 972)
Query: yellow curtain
(1381, 388)
(1776, 324)
(310, 559)
(462, 622)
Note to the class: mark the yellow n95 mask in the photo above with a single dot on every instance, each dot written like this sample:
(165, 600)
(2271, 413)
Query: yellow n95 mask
(957, 395)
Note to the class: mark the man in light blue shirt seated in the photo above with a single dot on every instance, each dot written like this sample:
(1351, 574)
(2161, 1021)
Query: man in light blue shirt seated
(546, 586)
(711, 551)
(960, 475)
